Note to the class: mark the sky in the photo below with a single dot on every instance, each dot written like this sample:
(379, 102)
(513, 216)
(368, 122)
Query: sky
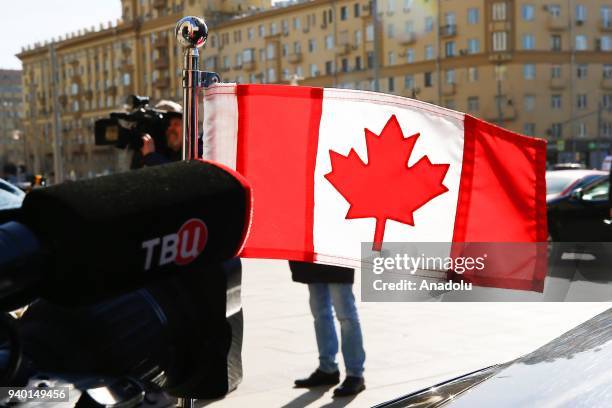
(24, 22)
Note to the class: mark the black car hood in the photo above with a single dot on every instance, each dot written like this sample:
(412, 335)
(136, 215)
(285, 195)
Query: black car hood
(574, 370)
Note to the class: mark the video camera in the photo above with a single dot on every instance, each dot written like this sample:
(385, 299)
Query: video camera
(132, 287)
(124, 129)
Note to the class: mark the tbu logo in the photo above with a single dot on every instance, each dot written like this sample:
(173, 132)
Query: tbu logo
(180, 248)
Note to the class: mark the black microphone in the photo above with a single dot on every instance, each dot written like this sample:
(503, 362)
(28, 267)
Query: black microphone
(105, 236)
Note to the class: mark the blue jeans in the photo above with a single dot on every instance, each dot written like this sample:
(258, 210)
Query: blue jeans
(340, 295)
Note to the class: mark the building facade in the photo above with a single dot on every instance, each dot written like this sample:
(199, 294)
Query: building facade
(538, 67)
(11, 135)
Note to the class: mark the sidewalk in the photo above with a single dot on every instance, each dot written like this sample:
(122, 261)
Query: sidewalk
(409, 345)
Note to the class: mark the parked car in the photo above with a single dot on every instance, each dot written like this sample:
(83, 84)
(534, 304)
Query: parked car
(562, 182)
(579, 214)
(571, 371)
(569, 166)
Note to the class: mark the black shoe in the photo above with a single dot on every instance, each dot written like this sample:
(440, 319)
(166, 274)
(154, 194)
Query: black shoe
(318, 378)
(350, 386)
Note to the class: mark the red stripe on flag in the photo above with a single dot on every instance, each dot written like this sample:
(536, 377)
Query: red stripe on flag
(502, 198)
(279, 169)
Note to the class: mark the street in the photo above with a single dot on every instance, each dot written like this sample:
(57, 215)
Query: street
(409, 346)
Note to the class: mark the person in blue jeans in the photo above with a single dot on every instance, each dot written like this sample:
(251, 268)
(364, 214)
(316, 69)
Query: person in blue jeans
(331, 289)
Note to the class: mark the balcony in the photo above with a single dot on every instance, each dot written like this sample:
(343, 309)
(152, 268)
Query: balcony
(112, 90)
(605, 24)
(127, 67)
(161, 64)
(606, 84)
(555, 23)
(248, 65)
(558, 84)
(161, 42)
(407, 38)
(343, 49)
(295, 58)
(162, 83)
(63, 100)
(89, 94)
(449, 89)
(449, 30)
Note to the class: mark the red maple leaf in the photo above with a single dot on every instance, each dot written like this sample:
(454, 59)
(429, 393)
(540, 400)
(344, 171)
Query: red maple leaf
(386, 188)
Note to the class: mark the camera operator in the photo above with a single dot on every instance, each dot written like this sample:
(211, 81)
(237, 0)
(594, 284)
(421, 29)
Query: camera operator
(152, 155)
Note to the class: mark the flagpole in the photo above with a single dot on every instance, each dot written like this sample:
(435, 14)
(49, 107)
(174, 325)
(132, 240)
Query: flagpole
(191, 32)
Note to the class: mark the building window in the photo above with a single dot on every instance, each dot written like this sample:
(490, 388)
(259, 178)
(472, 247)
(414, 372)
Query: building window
(370, 33)
(428, 24)
(357, 9)
(607, 71)
(343, 13)
(429, 52)
(528, 12)
(407, 6)
(312, 45)
(409, 81)
(555, 42)
(555, 71)
(428, 79)
(554, 10)
(271, 75)
(473, 16)
(449, 48)
(358, 63)
(297, 23)
(344, 65)
(581, 101)
(529, 103)
(358, 37)
(581, 42)
(581, 14)
(391, 58)
(499, 41)
(529, 71)
(450, 76)
(499, 11)
(556, 130)
(390, 30)
(582, 71)
(473, 46)
(606, 16)
(529, 129)
(329, 67)
(473, 104)
(370, 56)
(472, 74)
(391, 84)
(555, 101)
(262, 30)
(449, 104)
(606, 101)
(329, 42)
(581, 129)
(313, 70)
(528, 41)
(409, 55)
(606, 43)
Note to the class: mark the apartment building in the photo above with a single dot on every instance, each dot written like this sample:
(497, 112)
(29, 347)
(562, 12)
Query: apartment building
(538, 67)
(11, 134)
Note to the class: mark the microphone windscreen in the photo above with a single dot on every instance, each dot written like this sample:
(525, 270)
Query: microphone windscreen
(112, 234)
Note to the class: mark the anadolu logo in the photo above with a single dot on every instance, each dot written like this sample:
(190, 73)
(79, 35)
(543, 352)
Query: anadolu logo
(181, 248)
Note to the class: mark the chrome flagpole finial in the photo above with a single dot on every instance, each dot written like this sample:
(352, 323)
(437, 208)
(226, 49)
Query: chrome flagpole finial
(191, 32)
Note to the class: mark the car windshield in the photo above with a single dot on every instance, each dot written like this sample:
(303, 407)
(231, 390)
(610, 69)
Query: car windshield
(558, 182)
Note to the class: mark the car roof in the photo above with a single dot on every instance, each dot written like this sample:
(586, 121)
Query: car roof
(10, 196)
(575, 173)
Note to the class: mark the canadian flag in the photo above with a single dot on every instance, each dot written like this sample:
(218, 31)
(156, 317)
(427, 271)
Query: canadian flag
(332, 168)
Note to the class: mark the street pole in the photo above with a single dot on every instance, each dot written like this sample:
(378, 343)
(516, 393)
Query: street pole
(58, 168)
(375, 65)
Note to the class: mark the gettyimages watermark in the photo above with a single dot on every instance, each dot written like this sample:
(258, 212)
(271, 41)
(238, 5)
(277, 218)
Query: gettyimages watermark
(438, 271)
